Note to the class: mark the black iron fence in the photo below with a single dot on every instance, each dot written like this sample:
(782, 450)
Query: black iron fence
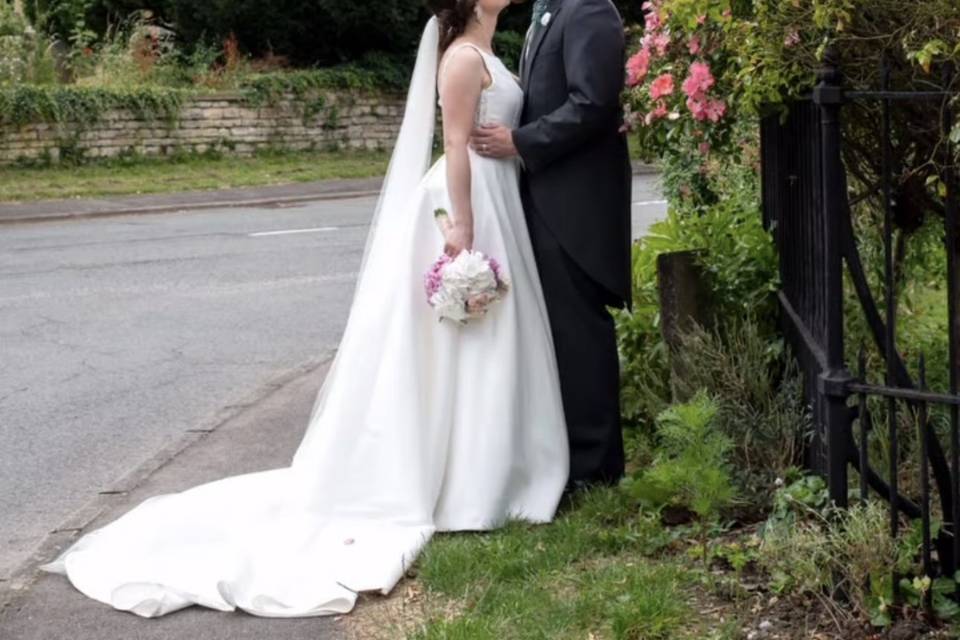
(807, 204)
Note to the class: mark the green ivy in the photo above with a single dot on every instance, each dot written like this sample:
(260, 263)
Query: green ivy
(29, 104)
(270, 88)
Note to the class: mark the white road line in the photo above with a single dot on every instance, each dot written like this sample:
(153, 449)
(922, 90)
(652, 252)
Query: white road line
(646, 203)
(288, 232)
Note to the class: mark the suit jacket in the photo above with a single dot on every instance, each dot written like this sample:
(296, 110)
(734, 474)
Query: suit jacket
(577, 174)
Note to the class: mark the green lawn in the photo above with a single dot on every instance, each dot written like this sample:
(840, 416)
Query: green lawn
(189, 173)
(601, 571)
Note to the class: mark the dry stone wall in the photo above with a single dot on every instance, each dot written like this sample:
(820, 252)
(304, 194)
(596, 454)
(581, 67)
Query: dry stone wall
(223, 122)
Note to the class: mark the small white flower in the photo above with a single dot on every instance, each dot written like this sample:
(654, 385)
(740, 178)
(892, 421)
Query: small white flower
(545, 20)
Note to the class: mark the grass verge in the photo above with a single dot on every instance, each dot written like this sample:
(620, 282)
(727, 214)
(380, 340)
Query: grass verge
(136, 176)
(600, 571)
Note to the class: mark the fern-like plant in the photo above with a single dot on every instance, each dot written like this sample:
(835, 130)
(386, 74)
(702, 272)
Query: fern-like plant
(690, 469)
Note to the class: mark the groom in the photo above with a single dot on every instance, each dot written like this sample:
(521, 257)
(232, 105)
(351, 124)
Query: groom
(576, 185)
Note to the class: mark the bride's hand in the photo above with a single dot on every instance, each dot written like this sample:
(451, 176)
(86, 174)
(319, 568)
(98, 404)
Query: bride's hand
(459, 238)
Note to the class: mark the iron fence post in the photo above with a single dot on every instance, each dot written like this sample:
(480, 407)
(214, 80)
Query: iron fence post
(834, 381)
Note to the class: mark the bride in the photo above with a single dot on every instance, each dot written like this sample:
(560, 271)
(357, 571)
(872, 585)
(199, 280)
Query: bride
(420, 427)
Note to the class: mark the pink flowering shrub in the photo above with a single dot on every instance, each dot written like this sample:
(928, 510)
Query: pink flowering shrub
(680, 48)
(684, 88)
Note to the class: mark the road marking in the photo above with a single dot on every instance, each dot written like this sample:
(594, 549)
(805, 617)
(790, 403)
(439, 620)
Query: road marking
(288, 232)
(647, 203)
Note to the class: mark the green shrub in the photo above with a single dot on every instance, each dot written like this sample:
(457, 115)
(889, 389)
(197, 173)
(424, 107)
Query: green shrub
(509, 46)
(847, 553)
(690, 469)
(644, 366)
(759, 394)
(846, 558)
(267, 88)
(738, 258)
(23, 104)
(25, 52)
(319, 32)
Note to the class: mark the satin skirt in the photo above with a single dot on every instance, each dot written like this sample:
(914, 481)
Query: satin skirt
(421, 427)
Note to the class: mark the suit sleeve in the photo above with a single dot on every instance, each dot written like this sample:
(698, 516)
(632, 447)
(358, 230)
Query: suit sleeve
(593, 50)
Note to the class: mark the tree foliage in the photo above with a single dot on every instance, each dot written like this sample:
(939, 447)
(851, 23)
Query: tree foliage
(308, 32)
(755, 57)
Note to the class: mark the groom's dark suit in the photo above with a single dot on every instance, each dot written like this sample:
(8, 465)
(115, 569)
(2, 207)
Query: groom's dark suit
(576, 189)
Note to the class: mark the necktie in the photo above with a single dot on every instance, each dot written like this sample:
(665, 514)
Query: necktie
(539, 10)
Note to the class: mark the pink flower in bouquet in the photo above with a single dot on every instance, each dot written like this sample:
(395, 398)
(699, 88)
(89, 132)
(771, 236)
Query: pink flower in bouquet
(704, 148)
(702, 20)
(694, 46)
(792, 39)
(699, 81)
(661, 87)
(497, 270)
(637, 67)
(433, 279)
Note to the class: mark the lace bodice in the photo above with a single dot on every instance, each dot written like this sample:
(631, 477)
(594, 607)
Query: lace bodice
(502, 101)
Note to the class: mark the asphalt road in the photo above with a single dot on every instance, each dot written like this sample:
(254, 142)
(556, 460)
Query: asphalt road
(120, 335)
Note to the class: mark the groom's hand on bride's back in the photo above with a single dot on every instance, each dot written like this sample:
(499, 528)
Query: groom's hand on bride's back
(493, 141)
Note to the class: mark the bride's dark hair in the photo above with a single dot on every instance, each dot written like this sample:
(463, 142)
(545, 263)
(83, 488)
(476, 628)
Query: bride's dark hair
(453, 17)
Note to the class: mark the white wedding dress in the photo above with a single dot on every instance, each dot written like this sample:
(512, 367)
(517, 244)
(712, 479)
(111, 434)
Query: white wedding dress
(420, 427)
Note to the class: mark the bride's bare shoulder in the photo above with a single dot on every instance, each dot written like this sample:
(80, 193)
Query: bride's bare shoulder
(463, 64)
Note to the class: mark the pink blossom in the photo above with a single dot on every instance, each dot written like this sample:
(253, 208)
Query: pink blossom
(662, 86)
(704, 109)
(660, 42)
(660, 111)
(653, 22)
(792, 39)
(699, 81)
(702, 20)
(694, 45)
(698, 107)
(715, 110)
(727, 13)
(637, 67)
(704, 148)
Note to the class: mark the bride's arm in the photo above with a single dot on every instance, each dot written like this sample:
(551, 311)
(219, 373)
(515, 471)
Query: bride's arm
(460, 89)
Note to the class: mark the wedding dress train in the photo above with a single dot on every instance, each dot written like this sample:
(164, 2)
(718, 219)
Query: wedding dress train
(420, 427)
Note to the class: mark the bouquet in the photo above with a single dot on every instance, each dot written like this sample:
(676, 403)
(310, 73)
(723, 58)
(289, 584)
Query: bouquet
(465, 287)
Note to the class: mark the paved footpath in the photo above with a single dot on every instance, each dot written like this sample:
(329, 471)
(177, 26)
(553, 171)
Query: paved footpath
(247, 197)
(48, 608)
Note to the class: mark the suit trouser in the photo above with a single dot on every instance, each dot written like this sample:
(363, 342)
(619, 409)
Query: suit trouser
(586, 345)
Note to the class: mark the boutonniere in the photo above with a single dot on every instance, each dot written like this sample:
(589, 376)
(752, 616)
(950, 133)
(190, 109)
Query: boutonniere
(545, 20)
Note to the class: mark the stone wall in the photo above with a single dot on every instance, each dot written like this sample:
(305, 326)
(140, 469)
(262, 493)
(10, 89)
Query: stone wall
(222, 122)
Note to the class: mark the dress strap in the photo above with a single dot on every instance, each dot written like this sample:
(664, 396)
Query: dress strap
(463, 45)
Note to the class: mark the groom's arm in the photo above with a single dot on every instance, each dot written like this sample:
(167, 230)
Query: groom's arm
(593, 50)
